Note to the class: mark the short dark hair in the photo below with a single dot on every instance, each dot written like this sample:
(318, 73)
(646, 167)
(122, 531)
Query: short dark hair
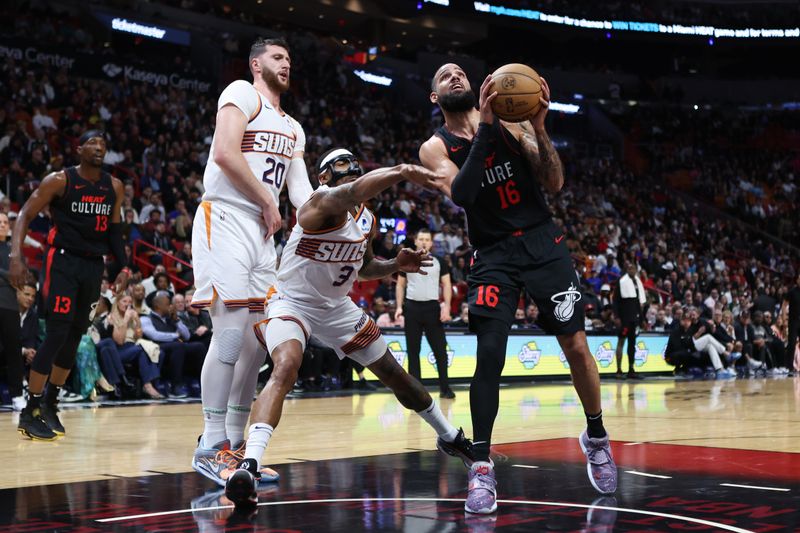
(260, 45)
(424, 230)
(30, 284)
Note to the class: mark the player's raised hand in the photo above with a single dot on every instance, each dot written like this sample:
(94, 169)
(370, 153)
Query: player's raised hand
(413, 261)
(272, 219)
(486, 98)
(538, 119)
(423, 177)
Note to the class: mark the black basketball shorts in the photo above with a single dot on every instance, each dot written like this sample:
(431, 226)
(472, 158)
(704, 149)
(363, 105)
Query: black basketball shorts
(537, 261)
(71, 284)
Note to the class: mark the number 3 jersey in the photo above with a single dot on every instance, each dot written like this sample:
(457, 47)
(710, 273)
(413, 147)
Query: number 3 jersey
(510, 199)
(270, 141)
(318, 268)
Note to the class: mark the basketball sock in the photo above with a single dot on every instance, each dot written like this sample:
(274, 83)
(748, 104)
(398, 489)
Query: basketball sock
(34, 401)
(235, 421)
(594, 426)
(214, 430)
(257, 441)
(435, 418)
(51, 394)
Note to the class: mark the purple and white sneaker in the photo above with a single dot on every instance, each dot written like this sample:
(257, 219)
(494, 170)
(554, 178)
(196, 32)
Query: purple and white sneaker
(482, 492)
(600, 465)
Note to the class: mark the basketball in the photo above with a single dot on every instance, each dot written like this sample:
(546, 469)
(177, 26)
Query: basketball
(518, 90)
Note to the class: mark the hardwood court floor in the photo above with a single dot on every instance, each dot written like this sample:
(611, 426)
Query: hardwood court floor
(156, 439)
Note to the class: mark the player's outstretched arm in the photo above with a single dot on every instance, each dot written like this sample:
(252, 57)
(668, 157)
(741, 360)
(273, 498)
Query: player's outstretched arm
(329, 207)
(407, 260)
(52, 187)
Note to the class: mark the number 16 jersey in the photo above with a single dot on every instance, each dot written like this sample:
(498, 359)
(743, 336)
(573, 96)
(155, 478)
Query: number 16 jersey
(510, 199)
(318, 268)
(270, 141)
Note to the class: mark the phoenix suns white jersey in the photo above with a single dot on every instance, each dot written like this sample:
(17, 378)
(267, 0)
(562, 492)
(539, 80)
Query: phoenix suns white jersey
(318, 268)
(269, 143)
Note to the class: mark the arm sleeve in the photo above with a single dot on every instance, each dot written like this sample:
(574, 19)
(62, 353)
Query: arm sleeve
(467, 183)
(298, 183)
(300, 141)
(116, 244)
(243, 95)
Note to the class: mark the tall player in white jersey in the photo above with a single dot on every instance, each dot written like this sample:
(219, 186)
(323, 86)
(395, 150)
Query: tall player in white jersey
(256, 149)
(330, 246)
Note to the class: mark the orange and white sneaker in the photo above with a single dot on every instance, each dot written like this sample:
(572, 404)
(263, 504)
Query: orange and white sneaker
(215, 461)
(267, 475)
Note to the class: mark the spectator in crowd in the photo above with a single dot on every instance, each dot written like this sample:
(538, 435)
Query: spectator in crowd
(791, 309)
(680, 351)
(776, 344)
(138, 299)
(390, 319)
(120, 334)
(29, 322)
(10, 321)
(384, 290)
(163, 327)
(462, 320)
(149, 283)
(197, 320)
(705, 343)
(162, 284)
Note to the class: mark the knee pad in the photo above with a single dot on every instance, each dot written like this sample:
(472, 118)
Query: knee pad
(229, 345)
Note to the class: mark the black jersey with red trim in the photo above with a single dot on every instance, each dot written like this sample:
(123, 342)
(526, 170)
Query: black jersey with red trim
(82, 216)
(510, 199)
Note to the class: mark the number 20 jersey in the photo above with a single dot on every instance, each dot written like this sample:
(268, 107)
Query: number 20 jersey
(270, 141)
(510, 199)
(318, 268)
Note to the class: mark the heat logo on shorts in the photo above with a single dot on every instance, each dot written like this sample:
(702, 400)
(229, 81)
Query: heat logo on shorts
(566, 303)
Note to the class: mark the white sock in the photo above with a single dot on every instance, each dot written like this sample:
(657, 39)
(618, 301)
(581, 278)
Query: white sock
(257, 441)
(214, 430)
(235, 421)
(435, 418)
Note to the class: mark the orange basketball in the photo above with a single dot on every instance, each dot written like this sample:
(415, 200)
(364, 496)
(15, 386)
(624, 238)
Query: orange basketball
(518, 90)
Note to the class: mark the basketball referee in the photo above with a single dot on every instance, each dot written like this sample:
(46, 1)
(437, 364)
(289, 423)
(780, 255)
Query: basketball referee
(418, 301)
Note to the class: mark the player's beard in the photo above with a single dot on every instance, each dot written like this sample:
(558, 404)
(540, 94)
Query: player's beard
(457, 102)
(274, 82)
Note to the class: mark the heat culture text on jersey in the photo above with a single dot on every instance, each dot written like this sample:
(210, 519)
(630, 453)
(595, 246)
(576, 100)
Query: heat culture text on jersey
(332, 251)
(496, 173)
(91, 205)
(268, 142)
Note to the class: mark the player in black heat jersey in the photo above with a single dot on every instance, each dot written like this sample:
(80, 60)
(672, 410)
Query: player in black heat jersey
(85, 206)
(497, 171)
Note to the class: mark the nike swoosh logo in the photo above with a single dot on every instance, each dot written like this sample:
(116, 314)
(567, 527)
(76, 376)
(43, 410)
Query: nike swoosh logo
(559, 239)
(455, 148)
(79, 187)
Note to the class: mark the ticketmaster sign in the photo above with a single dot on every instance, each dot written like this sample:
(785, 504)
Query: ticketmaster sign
(144, 29)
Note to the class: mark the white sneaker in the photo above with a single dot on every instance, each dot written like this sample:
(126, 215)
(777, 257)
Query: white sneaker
(66, 396)
(18, 403)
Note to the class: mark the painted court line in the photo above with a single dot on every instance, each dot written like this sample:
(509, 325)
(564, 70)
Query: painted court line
(632, 443)
(754, 487)
(525, 466)
(645, 474)
(723, 527)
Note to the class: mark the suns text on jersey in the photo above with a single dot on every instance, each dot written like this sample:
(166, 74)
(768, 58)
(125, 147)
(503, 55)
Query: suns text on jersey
(268, 142)
(332, 251)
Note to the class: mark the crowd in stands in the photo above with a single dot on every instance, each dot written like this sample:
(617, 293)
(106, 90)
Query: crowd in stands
(692, 264)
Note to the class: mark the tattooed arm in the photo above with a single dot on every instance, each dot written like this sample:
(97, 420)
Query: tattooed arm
(407, 260)
(328, 208)
(538, 149)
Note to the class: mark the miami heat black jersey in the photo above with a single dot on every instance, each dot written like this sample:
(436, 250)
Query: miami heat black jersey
(510, 199)
(82, 216)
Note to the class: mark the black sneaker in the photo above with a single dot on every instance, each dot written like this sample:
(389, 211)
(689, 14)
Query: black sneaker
(50, 417)
(240, 488)
(461, 447)
(363, 384)
(634, 375)
(32, 426)
(447, 394)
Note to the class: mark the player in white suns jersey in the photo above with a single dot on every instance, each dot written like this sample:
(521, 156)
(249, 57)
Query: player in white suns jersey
(257, 148)
(330, 246)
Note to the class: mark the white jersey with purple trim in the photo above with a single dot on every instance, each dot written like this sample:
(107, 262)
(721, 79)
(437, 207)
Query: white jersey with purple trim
(271, 141)
(318, 268)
